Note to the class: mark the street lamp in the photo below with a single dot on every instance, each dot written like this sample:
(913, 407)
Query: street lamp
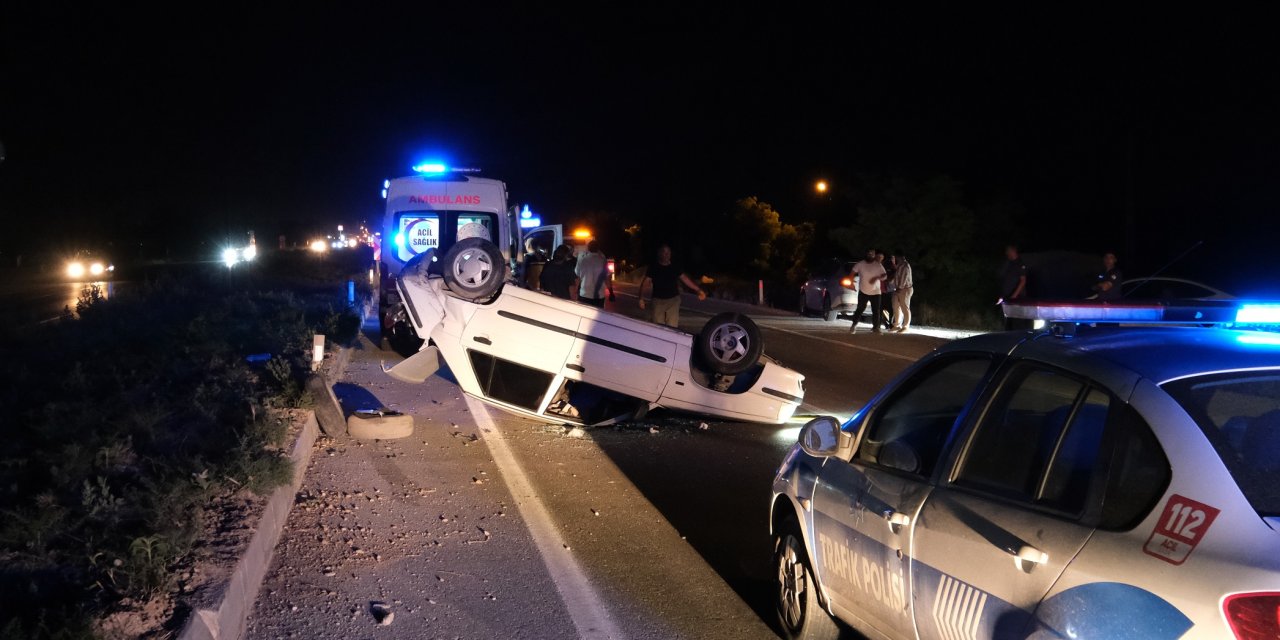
(821, 186)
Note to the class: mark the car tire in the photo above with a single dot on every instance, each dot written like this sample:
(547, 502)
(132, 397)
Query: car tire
(800, 613)
(730, 343)
(473, 269)
(382, 425)
(828, 314)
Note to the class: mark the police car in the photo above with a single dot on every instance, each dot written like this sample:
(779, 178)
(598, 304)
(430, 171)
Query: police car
(552, 359)
(1111, 476)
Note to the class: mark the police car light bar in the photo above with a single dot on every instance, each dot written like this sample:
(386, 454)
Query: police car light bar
(1164, 312)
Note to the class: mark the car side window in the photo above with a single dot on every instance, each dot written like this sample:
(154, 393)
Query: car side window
(909, 430)
(509, 382)
(1138, 474)
(1016, 439)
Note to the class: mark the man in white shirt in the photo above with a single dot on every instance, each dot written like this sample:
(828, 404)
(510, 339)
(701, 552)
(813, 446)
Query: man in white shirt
(869, 273)
(593, 275)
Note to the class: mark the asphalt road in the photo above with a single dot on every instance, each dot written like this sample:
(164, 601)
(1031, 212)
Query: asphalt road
(654, 530)
(26, 300)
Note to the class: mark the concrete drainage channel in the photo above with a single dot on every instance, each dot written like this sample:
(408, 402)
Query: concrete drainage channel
(226, 615)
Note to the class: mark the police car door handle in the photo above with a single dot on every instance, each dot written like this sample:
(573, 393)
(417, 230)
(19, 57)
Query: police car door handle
(895, 519)
(1027, 557)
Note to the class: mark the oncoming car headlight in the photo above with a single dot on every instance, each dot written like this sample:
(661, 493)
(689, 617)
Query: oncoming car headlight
(97, 269)
(75, 269)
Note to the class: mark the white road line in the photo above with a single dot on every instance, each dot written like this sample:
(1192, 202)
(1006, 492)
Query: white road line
(588, 612)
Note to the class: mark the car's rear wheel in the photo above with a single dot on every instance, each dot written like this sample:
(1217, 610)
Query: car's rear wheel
(828, 314)
(730, 343)
(800, 614)
(473, 269)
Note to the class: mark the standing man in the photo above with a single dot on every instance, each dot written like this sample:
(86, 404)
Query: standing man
(663, 280)
(869, 272)
(903, 284)
(1013, 283)
(593, 275)
(557, 277)
(1108, 285)
(888, 287)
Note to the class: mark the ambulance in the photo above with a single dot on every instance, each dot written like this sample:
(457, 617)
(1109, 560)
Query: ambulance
(433, 209)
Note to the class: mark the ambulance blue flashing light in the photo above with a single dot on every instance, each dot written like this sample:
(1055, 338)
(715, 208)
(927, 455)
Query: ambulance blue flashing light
(384, 194)
(529, 223)
(430, 168)
(1258, 314)
(526, 213)
(399, 239)
(386, 184)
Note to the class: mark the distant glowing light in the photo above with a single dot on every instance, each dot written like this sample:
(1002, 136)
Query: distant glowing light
(75, 270)
(821, 186)
(1258, 314)
(529, 223)
(1259, 338)
(526, 213)
(399, 239)
(319, 246)
(787, 435)
(431, 167)
(97, 268)
(351, 243)
(384, 194)
(250, 252)
(847, 282)
(386, 184)
(582, 234)
(230, 256)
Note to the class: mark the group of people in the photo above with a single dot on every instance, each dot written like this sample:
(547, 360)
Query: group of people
(583, 278)
(886, 284)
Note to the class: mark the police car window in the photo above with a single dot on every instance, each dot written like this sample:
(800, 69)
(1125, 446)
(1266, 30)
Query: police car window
(1138, 472)
(1071, 471)
(1240, 414)
(1016, 439)
(909, 430)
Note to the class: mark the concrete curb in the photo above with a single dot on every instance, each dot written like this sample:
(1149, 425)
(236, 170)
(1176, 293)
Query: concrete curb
(227, 620)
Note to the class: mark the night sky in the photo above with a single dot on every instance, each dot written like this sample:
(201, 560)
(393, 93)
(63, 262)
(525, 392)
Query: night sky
(1142, 132)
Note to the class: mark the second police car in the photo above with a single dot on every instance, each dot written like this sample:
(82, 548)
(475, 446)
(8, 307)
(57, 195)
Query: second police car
(1107, 482)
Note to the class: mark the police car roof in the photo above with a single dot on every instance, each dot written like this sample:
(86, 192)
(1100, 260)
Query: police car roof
(1158, 353)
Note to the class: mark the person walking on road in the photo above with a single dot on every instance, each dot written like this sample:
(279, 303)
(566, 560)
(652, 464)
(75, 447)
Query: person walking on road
(557, 276)
(663, 281)
(902, 283)
(593, 275)
(1108, 285)
(870, 273)
(1013, 283)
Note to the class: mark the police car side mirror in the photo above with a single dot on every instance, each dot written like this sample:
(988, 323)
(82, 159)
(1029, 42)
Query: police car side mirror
(820, 437)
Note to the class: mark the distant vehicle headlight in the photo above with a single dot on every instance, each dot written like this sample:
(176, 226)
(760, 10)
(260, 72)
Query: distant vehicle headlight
(75, 269)
(250, 252)
(97, 268)
(319, 246)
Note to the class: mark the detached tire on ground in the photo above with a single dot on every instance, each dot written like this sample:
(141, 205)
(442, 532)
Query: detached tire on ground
(729, 344)
(379, 424)
(800, 613)
(473, 269)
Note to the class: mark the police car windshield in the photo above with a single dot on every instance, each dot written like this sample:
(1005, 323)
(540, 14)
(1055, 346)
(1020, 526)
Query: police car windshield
(1240, 414)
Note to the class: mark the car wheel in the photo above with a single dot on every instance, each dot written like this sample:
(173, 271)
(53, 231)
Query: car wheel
(800, 614)
(730, 343)
(380, 424)
(828, 314)
(473, 269)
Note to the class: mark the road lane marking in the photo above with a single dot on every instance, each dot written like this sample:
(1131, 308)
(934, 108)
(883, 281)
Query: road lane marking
(590, 616)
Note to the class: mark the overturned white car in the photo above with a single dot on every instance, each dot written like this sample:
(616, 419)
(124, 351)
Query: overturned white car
(541, 356)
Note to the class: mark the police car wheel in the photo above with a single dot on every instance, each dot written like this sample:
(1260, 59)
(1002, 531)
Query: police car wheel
(473, 269)
(730, 343)
(800, 614)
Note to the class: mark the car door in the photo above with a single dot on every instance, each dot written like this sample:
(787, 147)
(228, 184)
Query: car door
(526, 342)
(995, 535)
(864, 508)
(612, 353)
